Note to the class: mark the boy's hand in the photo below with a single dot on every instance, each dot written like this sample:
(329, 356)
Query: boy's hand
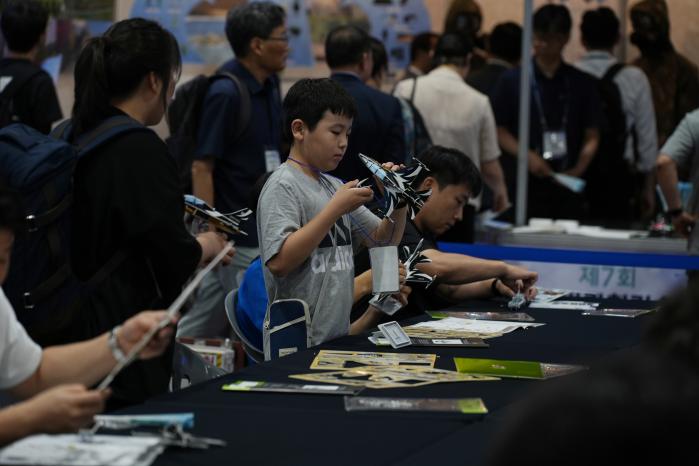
(348, 198)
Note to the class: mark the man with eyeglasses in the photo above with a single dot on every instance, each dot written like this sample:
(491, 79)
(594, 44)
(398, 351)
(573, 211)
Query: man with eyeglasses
(230, 157)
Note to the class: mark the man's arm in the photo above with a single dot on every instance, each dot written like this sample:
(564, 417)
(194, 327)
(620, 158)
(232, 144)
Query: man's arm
(457, 269)
(203, 179)
(495, 179)
(667, 179)
(89, 361)
(587, 153)
(510, 144)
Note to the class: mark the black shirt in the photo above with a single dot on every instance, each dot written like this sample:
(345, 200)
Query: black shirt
(569, 95)
(35, 103)
(126, 195)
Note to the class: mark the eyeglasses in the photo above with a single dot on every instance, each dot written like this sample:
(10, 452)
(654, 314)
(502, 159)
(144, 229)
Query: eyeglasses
(284, 38)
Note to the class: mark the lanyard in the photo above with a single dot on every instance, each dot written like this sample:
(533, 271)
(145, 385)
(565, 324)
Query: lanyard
(540, 106)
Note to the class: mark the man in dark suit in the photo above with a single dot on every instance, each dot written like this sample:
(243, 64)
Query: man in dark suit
(377, 130)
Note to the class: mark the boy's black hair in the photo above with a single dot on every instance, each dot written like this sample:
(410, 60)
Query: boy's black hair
(552, 19)
(245, 22)
(308, 99)
(113, 65)
(345, 45)
(11, 212)
(505, 41)
(422, 43)
(453, 48)
(23, 22)
(451, 167)
(600, 28)
(379, 56)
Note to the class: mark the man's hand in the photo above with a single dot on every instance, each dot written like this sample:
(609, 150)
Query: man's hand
(513, 274)
(348, 198)
(133, 330)
(65, 408)
(504, 290)
(538, 166)
(684, 223)
(576, 171)
(211, 244)
(501, 202)
(403, 294)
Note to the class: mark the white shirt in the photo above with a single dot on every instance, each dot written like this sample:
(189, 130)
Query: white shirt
(19, 355)
(637, 102)
(455, 114)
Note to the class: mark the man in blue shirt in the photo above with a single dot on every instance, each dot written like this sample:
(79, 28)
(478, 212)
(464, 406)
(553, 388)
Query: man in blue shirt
(377, 130)
(564, 115)
(226, 167)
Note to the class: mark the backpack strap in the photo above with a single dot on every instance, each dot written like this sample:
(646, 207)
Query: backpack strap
(19, 80)
(412, 93)
(612, 71)
(245, 103)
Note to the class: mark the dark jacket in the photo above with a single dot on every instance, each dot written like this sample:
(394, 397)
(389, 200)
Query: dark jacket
(377, 129)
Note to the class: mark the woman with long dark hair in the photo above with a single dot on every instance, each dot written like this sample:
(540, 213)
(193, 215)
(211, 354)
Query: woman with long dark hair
(127, 201)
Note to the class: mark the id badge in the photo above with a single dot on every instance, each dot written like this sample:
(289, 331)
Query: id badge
(555, 145)
(384, 269)
(272, 160)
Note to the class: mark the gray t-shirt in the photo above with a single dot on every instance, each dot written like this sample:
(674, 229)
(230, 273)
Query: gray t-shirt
(683, 148)
(325, 280)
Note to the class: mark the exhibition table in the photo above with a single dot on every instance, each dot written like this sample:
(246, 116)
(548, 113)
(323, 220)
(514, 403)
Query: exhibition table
(300, 429)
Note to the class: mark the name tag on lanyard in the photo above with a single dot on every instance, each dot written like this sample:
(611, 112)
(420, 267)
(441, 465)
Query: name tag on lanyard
(272, 160)
(554, 145)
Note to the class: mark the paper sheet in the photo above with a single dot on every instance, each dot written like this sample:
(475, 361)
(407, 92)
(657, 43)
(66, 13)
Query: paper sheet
(570, 305)
(390, 376)
(69, 449)
(546, 295)
(330, 359)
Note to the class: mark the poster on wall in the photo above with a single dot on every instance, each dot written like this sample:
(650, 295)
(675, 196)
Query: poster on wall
(199, 25)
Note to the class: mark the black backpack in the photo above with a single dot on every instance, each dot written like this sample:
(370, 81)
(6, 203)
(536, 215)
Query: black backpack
(609, 178)
(183, 120)
(8, 114)
(40, 284)
(420, 139)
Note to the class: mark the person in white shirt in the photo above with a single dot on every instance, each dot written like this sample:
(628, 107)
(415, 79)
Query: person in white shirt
(53, 381)
(459, 117)
(600, 34)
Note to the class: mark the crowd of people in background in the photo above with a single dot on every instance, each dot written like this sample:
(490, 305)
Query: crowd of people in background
(294, 160)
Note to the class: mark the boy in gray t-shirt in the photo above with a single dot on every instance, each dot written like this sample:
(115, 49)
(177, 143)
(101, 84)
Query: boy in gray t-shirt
(309, 223)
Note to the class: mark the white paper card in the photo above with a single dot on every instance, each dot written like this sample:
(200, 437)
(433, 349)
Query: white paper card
(384, 269)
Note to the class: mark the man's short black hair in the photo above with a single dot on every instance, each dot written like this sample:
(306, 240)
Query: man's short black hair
(379, 56)
(11, 212)
(308, 99)
(600, 28)
(245, 22)
(345, 46)
(552, 19)
(505, 42)
(451, 167)
(453, 48)
(422, 43)
(23, 22)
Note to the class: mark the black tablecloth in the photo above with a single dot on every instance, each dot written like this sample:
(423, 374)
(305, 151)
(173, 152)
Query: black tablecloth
(298, 429)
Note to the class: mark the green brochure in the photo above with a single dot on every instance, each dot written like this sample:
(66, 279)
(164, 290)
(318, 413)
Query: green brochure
(515, 369)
